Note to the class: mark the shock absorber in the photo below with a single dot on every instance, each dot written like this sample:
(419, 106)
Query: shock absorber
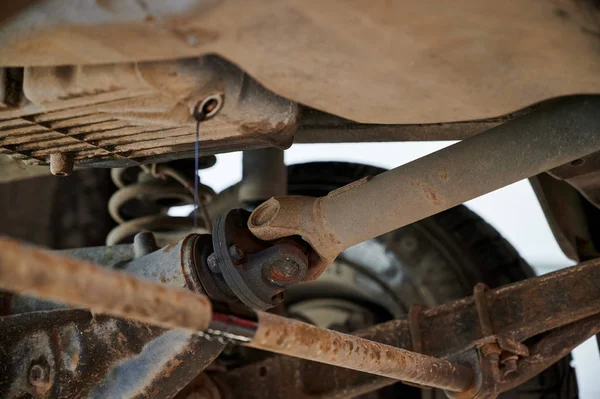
(146, 193)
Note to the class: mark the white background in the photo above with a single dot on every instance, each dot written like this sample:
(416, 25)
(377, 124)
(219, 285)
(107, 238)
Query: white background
(513, 211)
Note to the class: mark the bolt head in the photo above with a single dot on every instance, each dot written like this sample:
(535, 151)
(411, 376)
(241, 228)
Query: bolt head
(285, 270)
(237, 254)
(212, 263)
(284, 264)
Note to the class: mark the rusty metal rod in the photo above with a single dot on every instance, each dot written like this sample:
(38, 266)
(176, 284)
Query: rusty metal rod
(294, 338)
(548, 137)
(48, 275)
(518, 311)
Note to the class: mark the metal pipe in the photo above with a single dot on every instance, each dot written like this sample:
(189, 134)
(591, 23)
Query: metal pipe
(264, 175)
(551, 136)
(32, 271)
(518, 311)
(294, 338)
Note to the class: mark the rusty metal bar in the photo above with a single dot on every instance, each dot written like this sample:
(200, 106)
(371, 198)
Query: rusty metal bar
(551, 136)
(517, 311)
(294, 338)
(32, 271)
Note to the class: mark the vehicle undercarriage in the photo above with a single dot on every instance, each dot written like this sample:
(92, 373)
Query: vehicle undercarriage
(329, 280)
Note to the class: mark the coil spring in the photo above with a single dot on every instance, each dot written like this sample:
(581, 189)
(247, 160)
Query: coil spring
(144, 196)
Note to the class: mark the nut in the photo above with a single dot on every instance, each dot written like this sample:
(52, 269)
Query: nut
(212, 263)
(237, 254)
(285, 270)
(284, 264)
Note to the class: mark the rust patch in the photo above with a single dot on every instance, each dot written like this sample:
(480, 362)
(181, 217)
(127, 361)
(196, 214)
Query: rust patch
(429, 193)
(171, 366)
(312, 343)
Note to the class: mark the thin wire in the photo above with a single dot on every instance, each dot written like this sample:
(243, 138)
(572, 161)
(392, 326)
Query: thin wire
(196, 177)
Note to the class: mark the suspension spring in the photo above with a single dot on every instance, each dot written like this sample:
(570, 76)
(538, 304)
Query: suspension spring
(146, 193)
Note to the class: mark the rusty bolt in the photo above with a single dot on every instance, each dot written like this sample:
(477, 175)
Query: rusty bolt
(38, 375)
(491, 351)
(61, 164)
(286, 264)
(236, 254)
(212, 263)
(285, 270)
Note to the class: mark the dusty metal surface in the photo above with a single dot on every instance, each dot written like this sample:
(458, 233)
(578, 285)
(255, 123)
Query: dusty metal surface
(83, 353)
(553, 135)
(102, 356)
(398, 62)
(32, 271)
(584, 175)
(13, 170)
(571, 220)
(114, 115)
(319, 127)
(264, 175)
(302, 340)
(516, 312)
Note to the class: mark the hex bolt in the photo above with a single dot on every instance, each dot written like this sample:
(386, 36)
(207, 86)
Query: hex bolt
(285, 270)
(236, 254)
(491, 351)
(38, 375)
(61, 164)
(212, 263)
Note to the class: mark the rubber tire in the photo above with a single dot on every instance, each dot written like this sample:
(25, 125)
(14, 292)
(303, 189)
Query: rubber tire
(455, 250)
(58, 212)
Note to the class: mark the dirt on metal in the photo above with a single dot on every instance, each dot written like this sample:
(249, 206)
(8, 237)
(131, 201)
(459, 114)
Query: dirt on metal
(552, 135)
(293, 338)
